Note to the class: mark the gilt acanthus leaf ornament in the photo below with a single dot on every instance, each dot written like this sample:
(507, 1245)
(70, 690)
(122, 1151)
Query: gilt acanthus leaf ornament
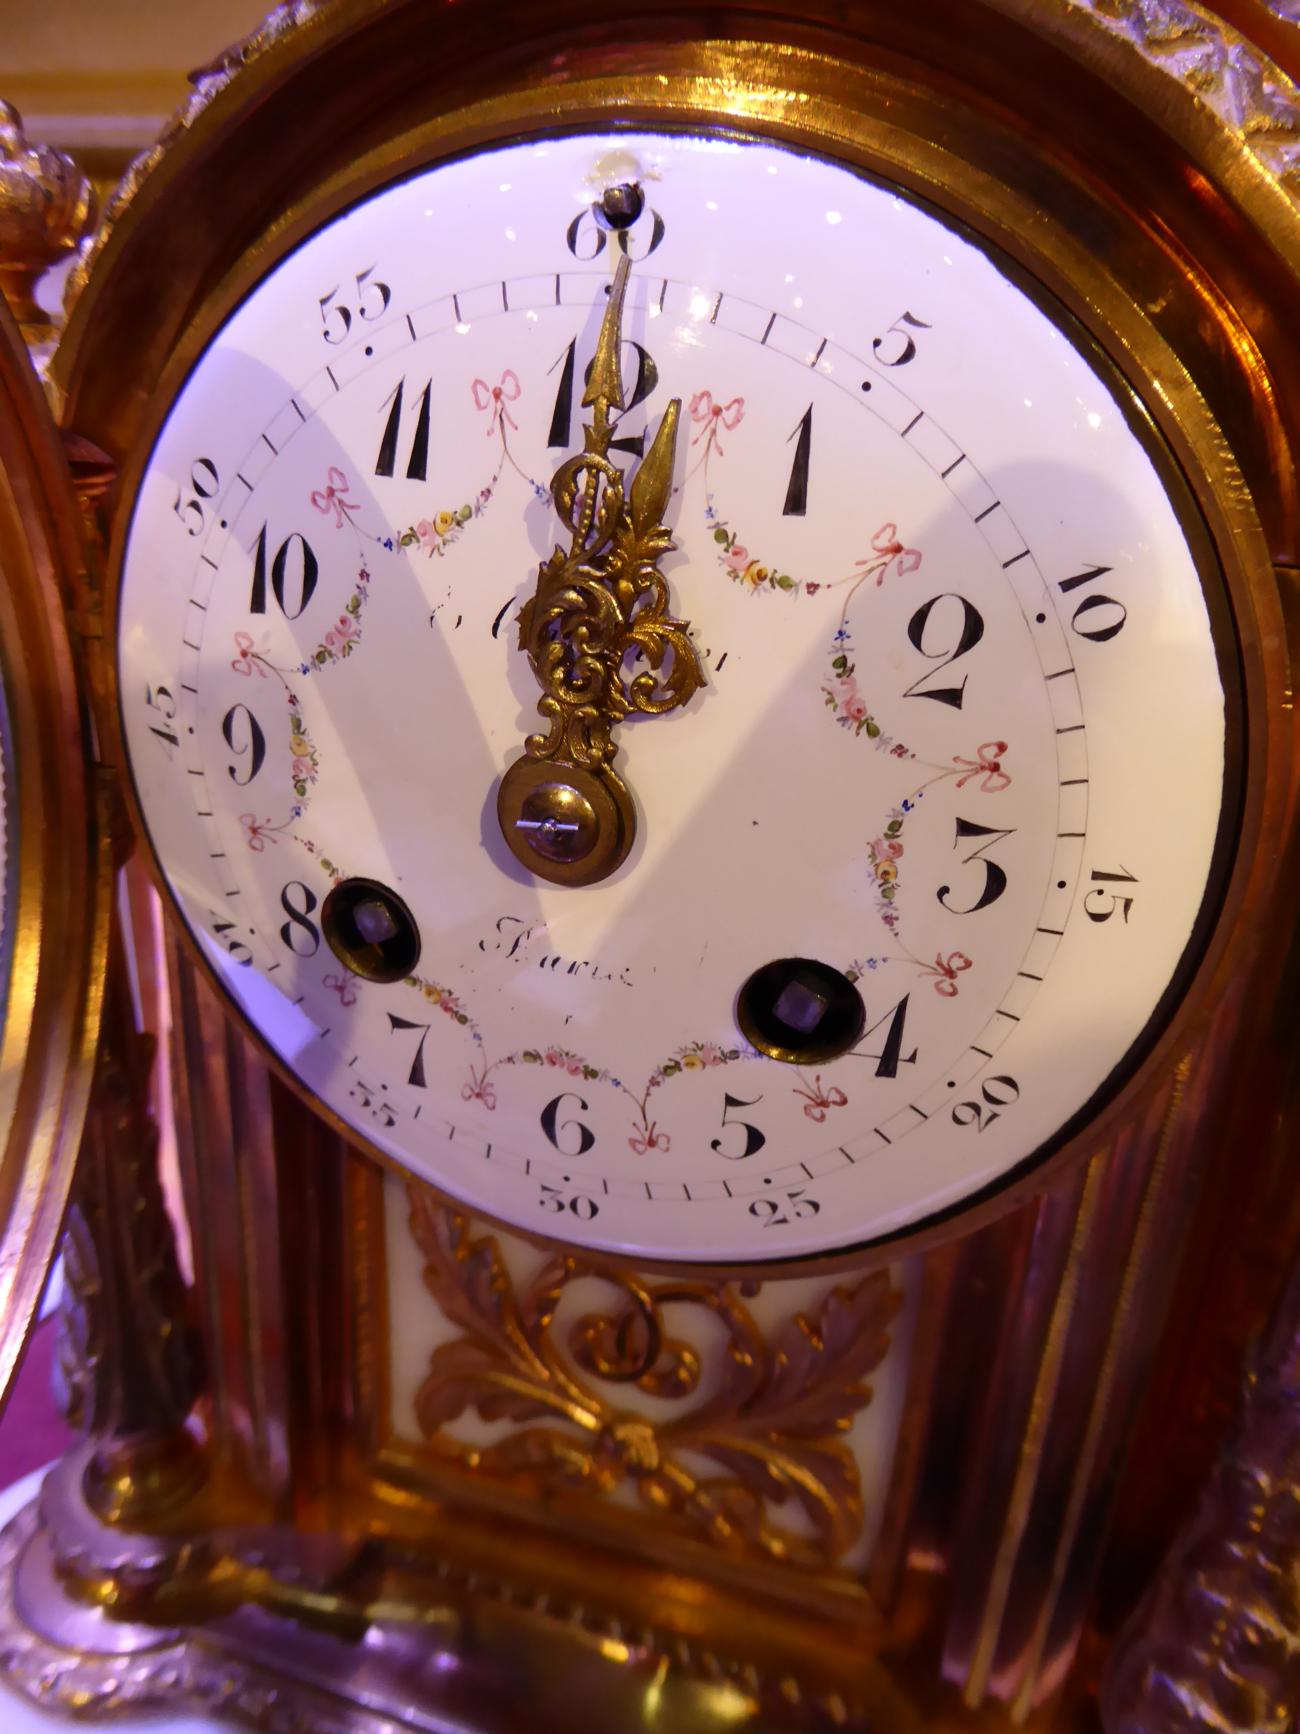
(768, 1412)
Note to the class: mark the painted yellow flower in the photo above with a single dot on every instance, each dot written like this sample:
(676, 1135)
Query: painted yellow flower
(443, 522)
(886, 872)
(299, 747)
(692, 1062)
(754, 575)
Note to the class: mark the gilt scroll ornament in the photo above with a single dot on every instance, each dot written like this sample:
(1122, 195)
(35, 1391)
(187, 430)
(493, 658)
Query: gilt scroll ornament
(769, 1418)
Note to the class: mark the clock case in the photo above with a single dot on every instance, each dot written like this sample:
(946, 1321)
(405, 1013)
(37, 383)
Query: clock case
(249, 1523)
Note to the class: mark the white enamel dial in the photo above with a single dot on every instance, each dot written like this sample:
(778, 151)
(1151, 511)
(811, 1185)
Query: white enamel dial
(962, 737)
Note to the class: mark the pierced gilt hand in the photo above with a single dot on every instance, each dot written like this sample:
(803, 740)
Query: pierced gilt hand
(564, 812)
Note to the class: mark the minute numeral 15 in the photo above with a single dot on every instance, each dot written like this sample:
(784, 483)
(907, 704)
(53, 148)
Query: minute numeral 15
(1111, 901)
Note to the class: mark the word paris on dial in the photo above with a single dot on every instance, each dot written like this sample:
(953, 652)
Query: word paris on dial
(903, 886)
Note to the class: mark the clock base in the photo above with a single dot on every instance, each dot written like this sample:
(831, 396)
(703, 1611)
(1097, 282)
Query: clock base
(484, 1655)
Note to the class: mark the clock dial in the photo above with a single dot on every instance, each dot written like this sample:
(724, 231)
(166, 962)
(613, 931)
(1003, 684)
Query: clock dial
(955, 778)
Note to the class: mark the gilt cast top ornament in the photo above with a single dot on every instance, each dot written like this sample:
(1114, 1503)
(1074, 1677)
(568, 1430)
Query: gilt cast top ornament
(46, 206)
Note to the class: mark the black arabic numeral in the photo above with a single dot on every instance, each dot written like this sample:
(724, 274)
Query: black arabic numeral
(1097, 618)
(417, 465)
(555, 1202)
(967, 637)
(416, 1075)
(233, 946)
(160, 699)
(796, 1205)
(562, 414)
(796, 493)
(553, 1126)
(1111, 900)
(908, 348)
(254, 746)
(298, 925)
(645, 381)
(995, 879)
(891, 1055)
(998, 1093)
(204, 482)
(308, 572)
(587, 234)
(754, 1139)
(372, 299)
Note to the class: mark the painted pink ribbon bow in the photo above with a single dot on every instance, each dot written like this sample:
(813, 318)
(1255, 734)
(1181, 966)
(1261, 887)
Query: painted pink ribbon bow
(495, 398)
(712, 416)
(333, 498)
(988, 765)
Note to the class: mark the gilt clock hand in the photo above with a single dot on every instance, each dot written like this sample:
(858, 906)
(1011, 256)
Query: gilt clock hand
(563, 810)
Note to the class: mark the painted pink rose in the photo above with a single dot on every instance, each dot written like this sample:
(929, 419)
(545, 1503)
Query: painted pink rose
(855, 709)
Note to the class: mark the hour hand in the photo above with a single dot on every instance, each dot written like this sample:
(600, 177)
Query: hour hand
(565, 813)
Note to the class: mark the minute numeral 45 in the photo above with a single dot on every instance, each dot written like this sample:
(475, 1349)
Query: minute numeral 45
(370, 303)
(160, 700)
(417, 465)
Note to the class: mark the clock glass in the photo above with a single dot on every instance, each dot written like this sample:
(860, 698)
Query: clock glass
(915, 870)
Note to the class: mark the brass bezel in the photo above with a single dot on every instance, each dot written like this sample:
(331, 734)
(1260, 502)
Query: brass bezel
(58, 874)
(875, 119)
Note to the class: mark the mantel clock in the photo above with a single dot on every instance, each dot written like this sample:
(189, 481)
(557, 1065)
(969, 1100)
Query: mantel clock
(691, 617)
